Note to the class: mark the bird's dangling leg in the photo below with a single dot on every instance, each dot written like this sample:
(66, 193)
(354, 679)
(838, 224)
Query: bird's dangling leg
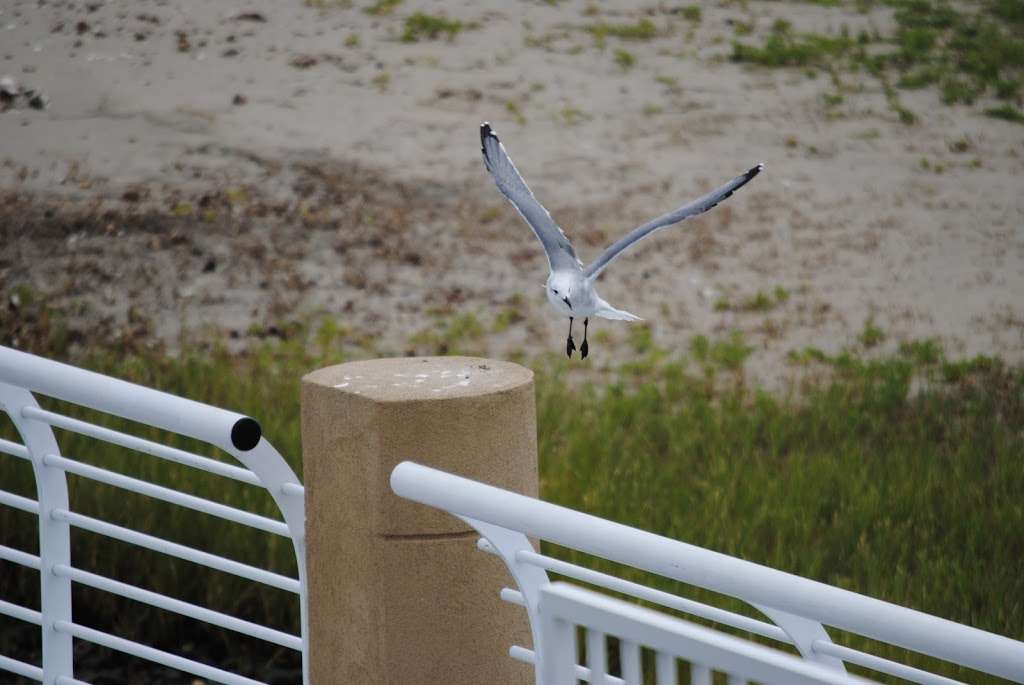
(584, 348)
(569, 344)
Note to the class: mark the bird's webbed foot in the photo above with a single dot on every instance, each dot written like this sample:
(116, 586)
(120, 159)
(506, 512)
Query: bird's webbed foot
(570, 346)
(584, 349)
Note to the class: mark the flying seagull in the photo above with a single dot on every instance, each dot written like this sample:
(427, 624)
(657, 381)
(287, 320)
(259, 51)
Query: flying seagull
(570, 287)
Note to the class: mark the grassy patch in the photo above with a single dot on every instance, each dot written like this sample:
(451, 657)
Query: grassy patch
(382, 7)
(422, 26)
(786, 48)
(692, 13)
(861, 478)
(455, 335)
(760, 301)
(641, 30)
(515, 111)
(1006, 113)
(571, 116)
(966, 52)
(625, 59)
(382, 81)
(871, 335)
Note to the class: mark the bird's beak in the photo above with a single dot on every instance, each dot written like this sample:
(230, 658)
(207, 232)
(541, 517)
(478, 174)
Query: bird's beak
(566, 300)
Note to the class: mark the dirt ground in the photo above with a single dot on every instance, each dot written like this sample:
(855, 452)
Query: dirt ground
(237, 165)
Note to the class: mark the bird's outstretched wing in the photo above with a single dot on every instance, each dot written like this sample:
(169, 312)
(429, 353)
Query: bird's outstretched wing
(560, 253)
(694, 208)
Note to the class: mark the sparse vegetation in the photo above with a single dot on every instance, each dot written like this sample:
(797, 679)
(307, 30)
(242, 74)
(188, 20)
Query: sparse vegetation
(382, 80)
(515, 111)
(641, 30)
(1006, 113)
(871, 335)
(760, 301)
(421, 26)
(692, 13)
(382, 7)
(670, 82)
(960, 145)
(572, 116)
(625, 59)
(785, 48)
(966, 52)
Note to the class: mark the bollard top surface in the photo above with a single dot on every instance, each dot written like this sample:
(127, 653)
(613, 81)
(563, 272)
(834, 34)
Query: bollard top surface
(404, 379)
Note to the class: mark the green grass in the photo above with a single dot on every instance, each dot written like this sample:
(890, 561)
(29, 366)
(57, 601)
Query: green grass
(421, 26)
(760, 301)
(864, 477)
(1007, 113)
(871, 335)
(625, 59)
(641, 30)
(692, 13)
(382, 7)
(785, 48)
(515, 111)
(966, 51)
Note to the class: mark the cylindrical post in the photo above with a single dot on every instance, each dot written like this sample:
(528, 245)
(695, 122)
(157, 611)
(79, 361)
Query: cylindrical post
(398, 593)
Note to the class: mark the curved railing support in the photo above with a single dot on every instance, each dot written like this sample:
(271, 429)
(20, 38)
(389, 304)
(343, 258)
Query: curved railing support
(530, 579)
(54, 535)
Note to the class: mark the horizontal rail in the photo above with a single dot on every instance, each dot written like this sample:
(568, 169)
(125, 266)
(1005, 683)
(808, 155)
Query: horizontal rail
(174, 549)
(141, 445)
(18, 557)
(881, 665)
(142, 487)
(527, 656)
(294, 489)
(21, 613)
(666, 599)
(21, 668)
(19, 502)
(152, 654)
(179, 607)
(511, 596)
(680, 561)
(220, 427)
(14, 449)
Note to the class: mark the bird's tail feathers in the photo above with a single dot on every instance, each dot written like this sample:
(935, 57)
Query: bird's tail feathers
(609, 312)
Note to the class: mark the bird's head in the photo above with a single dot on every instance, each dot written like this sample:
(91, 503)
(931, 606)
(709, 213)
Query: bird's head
(560, 287)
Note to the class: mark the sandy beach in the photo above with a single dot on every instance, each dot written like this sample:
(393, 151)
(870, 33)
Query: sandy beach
(239, 165)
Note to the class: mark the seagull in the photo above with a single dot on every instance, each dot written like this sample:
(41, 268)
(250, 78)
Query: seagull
(570, 286)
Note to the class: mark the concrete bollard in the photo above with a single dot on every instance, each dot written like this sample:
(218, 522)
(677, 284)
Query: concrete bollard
(398, 593)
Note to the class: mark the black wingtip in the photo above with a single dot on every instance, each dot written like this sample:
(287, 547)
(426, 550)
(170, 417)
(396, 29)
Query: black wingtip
(755, 171)
(486, 132)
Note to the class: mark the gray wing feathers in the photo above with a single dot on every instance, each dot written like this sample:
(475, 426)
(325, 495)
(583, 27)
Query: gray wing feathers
(698, 206)
(561, 254)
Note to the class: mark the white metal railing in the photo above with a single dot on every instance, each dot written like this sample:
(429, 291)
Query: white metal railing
(22, 375)
(564, 608)
(799, 608)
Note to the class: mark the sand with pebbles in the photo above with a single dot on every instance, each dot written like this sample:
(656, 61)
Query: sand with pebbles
(240, 164)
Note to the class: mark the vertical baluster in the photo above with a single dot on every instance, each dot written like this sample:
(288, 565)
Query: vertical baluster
(559, 652)
(700, 674)
(629, 657)
(665, 669)
(597, 657)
